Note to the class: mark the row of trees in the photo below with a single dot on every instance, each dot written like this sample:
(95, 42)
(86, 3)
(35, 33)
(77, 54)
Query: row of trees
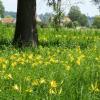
(77, 18)
(74, 14)
(74, 19)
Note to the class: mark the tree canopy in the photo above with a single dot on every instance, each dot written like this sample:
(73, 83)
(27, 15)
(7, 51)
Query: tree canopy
(76, 16)
(74, 13)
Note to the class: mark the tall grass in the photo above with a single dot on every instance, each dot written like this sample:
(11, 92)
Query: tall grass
(65, 66)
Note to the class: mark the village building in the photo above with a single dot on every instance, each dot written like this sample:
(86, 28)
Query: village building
(38, 19)
(65, 20)
(8, 20)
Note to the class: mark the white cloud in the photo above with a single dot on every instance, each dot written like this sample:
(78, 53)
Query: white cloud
(10, 5)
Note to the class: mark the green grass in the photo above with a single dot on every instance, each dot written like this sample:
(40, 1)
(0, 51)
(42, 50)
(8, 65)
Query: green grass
(65, 66)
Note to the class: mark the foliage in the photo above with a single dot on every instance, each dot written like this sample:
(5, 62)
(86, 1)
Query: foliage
(83, 20)
(75, 23)
(6, 32)
(69, 25)
(76, 15)
(96, 22)
(65, 66)
(2, 10)
(56, 5)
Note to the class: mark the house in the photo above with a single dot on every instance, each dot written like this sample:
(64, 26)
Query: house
(65, 20)
(8, 20)
(38, 19)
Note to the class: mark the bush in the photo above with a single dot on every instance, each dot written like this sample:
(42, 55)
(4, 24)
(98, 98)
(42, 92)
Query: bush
(96, 22)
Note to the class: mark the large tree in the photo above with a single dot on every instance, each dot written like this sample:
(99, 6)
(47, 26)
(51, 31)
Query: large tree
(2, 10)
(76, 16)
(25, 31)
(74, 13)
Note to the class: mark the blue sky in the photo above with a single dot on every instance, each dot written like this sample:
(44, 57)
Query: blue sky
(86, 7)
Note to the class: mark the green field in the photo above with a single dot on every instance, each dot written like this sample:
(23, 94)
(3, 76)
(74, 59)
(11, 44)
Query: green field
(65, 66)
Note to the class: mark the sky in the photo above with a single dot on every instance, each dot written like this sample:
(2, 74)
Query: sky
(85, 6)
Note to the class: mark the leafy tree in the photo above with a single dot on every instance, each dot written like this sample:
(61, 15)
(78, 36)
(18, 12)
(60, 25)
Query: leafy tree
(75, 24)
(76, 16)
(96, 22)
(56, 4)
(83, 20)
(74, 13)
(2, 10)
(70, 25)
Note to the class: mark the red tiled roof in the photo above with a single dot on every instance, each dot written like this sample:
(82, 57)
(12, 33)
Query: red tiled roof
(7, 20)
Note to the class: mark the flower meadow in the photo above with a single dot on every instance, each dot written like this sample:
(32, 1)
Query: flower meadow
(65, 66)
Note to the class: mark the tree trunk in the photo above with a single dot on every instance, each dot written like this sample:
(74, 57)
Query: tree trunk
(26, 32)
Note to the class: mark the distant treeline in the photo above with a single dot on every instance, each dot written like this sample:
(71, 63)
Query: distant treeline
(10, 13)
(45, 17)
